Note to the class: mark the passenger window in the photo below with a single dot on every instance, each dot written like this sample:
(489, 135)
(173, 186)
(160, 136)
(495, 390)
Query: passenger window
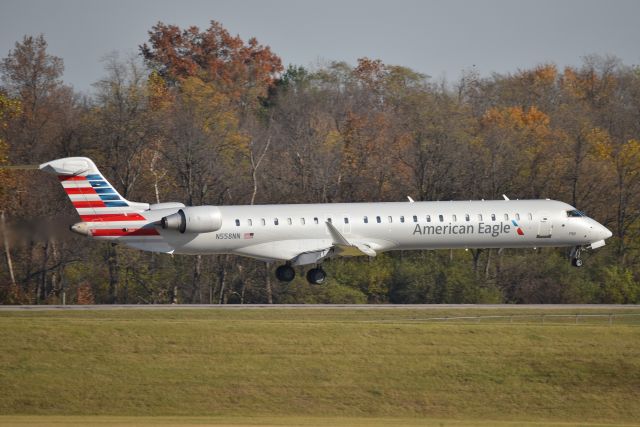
(506, 217)
(390, 219)
(263, 221)
(530, 217)
(250, 222)
(493, 217)
(289, 221)
(329, 220)
(237, 223)
(401, 218)
(415, 218)
(428, 218)
(454, 218)
(366, 220)
(302, 221)
(518, 216)
(315, 219)
(479, 217)
(378, 220)
(275, 221)
(467, 217)
(441, 217)
(346, 220)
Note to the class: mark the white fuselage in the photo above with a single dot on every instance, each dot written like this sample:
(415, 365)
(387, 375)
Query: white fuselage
(282, 232)
(309, 233)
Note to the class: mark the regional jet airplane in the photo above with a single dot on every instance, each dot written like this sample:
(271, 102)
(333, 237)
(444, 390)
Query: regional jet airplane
(308, 234)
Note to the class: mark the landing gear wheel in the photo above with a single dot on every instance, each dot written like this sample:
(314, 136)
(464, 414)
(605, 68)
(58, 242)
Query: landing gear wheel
(316, 276)
(285, 273)
(576, 260)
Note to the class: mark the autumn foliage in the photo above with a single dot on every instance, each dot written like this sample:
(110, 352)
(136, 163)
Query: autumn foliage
(204, 117)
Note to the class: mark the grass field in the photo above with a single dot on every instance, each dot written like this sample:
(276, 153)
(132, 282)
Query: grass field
(318, 367)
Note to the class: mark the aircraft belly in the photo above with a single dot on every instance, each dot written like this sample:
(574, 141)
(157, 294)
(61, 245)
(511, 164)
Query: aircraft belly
(284, 249)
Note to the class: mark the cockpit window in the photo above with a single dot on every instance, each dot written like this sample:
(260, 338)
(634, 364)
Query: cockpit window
(575, 213)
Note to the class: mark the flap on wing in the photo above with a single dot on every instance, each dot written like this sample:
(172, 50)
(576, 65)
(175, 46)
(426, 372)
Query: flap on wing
(345, 248)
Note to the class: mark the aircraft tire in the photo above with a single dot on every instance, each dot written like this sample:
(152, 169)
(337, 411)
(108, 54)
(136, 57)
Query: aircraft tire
(577, 262)
(285, 273)
(316, 276)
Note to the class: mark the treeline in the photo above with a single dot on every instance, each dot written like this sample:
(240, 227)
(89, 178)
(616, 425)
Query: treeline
(203, 117)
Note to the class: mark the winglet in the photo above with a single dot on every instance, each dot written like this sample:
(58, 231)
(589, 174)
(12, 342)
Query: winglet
(338, 239)
(410, 199)
(505, 197)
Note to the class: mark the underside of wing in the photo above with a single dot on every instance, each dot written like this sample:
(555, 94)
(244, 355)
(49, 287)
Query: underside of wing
(314, 251)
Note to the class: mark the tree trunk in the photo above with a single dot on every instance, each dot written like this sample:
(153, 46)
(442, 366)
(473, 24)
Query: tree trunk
(112, 262)
(221, 279)
(268, 283)
(7, 249)
(195, 283)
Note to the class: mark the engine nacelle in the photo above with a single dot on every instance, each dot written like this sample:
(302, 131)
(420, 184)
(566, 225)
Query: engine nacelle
(194, 219)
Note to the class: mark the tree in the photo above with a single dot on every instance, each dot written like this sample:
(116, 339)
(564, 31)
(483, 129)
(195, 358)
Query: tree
(243, 71)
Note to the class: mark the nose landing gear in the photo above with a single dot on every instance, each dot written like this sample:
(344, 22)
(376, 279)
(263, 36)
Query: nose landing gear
(576, 259)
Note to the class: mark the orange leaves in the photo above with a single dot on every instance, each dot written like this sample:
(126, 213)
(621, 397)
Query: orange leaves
(542, 75)
(588, 84)
(518, 119)
(370, 72)
(213, 56)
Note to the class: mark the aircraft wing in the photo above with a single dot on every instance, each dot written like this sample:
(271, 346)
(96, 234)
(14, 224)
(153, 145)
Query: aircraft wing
(313, 251)
(346, 248)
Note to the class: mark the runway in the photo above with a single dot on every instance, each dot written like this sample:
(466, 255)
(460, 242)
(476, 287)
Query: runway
(319, 307)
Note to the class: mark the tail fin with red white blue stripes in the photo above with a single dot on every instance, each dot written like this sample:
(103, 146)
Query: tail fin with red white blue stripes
(88, 190)
(103, 211)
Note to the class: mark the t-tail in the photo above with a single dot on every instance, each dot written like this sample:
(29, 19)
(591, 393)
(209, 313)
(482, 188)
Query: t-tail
(104, 213)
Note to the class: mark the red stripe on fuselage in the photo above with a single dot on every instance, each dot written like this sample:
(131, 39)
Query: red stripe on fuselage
(124, 232)
(81, 190)
(71, 178)
(91, 204)
(112, 217)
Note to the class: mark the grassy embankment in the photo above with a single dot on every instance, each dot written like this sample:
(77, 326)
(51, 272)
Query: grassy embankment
(316, 367)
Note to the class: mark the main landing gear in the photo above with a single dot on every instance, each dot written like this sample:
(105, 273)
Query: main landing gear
(315, 276)
(285, 273)
(576, 259)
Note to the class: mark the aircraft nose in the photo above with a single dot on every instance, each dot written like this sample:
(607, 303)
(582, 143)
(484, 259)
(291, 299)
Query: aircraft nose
(606, 233)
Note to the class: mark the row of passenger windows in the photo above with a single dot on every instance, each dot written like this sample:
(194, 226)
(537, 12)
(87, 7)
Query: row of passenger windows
(389, 219)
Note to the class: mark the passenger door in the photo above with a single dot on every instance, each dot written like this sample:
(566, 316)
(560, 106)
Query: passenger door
(545, 227)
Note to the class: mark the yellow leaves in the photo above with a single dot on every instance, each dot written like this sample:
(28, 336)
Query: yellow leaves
(545, 74)
(214, 113)
(158, 92)
(332, 138)
(629, 156)
(601, 142)
(9, 108)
